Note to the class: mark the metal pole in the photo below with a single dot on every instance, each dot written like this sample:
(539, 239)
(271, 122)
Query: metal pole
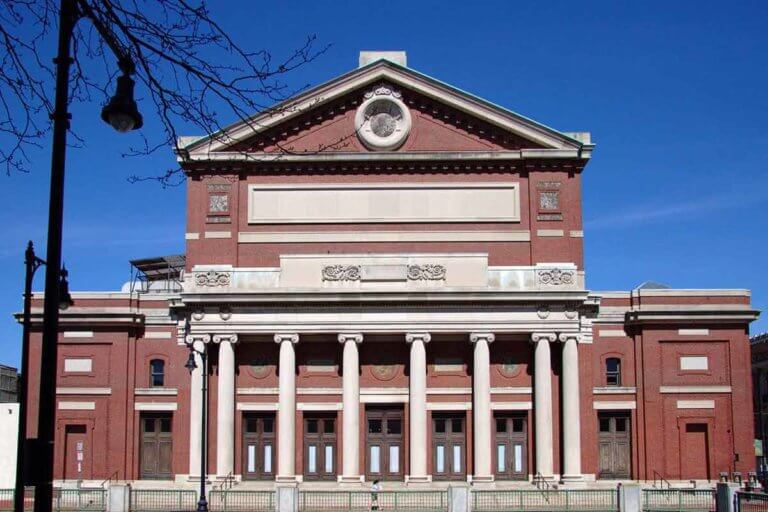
(202, 505)
(47, 417)
(31, 263)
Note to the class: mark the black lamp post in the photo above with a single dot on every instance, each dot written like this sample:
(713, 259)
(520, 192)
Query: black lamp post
(31, 264)
(202, 504)
(121, 114)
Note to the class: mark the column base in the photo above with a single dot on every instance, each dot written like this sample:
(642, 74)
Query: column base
(351, 479)
(286, 479)
(572, 478)
(418, 479)
(196, 479)
(481, 479)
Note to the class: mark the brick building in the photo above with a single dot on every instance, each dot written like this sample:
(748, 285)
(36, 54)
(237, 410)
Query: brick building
(388, 279)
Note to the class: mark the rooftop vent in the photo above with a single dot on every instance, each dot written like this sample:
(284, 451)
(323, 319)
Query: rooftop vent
(653, 285)
(398, 57)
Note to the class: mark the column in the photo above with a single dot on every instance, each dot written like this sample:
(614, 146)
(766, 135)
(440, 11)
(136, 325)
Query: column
(542, 407)
(481, 406)
(225, 416)
(196, 398)
(418, 407)
(286, 412)
(350, 471)
(571, 409)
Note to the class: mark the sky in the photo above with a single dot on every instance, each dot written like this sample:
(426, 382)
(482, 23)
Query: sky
(675, 98)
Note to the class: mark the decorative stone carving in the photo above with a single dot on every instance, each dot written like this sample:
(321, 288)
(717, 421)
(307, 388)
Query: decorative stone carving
(384, 372)
(427, 272)
(543, 312)
(225, 338)
(382, 121)
(212, 278)
(198, 314)
(549, 200)
(556, 277)
(225, 313)
(341, 273)
(259, 367)
(571, 314)
(218, 203)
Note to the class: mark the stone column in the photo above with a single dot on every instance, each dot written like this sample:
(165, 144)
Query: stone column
(481, 406)
(196, 398)
(542, 408)
(351, 408)
(571, 409)
(225, 416)
(418, 407)
(286, 412)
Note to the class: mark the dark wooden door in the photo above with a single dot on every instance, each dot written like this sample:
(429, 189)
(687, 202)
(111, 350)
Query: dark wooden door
(694, 452)
(449, 447)
(258, 446)
(511, 447)
(384, 443)
(75, 453)
(156, 446)
(320, 446)
(614, 446)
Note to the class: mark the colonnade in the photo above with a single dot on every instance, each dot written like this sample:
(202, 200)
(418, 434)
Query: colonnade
(350, 443)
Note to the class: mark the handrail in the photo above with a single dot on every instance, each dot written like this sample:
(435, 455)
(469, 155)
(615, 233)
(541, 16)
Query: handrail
(539, 479)
(227, 482)
(657, 477)
(109, 478)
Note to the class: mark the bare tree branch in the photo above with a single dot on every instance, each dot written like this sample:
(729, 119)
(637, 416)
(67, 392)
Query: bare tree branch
(186, 65)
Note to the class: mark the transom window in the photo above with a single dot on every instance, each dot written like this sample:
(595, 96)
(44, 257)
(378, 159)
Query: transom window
(157, 373)
(613, 371)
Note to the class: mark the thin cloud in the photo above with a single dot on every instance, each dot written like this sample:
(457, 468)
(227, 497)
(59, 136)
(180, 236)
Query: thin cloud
(653, 213)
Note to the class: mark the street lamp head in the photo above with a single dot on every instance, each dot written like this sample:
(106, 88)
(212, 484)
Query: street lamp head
(191, 365)
(65, 299)
(121, 112)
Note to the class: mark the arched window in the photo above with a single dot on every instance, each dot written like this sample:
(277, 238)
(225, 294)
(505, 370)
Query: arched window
(613, 371)
(157, 373)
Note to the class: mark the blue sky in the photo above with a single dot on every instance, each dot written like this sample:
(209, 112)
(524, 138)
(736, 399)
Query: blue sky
(675, 98)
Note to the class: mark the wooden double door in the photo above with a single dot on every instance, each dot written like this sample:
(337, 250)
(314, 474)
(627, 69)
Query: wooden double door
(384, 455)
(511, 446)
(156, 446)
(259, 446)
(320, 454)
(449, 446)
(614, 446)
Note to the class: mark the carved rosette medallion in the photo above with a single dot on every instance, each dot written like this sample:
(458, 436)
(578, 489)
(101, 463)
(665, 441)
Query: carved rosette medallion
(556, 277)
(384, 372)
(427, 272)
(212, 278)
(382, 121)
(341, 273)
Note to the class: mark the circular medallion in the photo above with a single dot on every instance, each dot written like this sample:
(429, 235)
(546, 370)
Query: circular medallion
(382, 120)
(384, 371)
(510, 367)
(259, 367)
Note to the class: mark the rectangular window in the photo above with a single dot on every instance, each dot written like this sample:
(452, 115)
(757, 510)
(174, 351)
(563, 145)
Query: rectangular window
(312, 466)
(501, 458)
(518, 458)
(394, 459)
(456, 459)
(252, 458)
(375, 459)
(328, 459)
(267, 458)
(440, 462)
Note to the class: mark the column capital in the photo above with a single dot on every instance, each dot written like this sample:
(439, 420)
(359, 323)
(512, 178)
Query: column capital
(488, 337)
(225, 338)
(543, 336)
(424, 337)
(286, 336)
(565, 336)
(194, 338)
(350, 336)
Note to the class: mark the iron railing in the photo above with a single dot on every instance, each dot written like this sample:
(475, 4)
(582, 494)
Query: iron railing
(153, 500)
(752, 502)
(604, 500)
(678, 500)
(64, 500)
(364, 501)
(251, 501)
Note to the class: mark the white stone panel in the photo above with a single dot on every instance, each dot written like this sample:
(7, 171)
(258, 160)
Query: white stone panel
(80, 365)
(155, 406)
(695, 404)
(614, 405)
(384, 202)
(77, 406)
(694, 363)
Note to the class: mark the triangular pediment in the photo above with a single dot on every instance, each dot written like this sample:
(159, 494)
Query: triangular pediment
(441, 118)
